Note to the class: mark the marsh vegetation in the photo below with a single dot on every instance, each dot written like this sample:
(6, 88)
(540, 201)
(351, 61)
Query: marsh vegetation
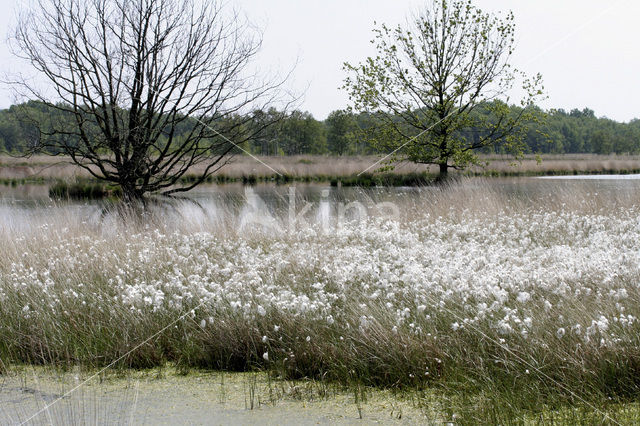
(506, 298)
(481, 301)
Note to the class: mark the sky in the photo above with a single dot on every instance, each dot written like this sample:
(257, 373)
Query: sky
(586, 50)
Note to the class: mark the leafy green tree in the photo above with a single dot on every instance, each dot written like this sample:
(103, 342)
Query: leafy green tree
(427, 80)
(601, 142)
(268, 126)
(578, 131)
(300, 133)
(10, 134)
(341, 130)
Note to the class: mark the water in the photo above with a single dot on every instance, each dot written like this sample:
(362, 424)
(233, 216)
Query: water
(196, 398)
(321, 202)
(592, 177)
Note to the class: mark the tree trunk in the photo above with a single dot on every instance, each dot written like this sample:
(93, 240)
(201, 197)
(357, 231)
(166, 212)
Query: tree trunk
(131, 193)
(444, 172)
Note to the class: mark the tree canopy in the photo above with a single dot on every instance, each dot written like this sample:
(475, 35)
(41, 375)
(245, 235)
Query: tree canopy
(430, 76)
(578, 131)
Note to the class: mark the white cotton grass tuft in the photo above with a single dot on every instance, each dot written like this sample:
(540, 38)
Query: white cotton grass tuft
(428, 281)
(523, 297)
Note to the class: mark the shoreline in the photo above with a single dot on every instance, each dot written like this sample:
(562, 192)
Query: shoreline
(39, 171)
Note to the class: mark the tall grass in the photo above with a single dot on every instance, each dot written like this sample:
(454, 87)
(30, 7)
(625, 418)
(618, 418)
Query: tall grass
(508, 304)
(313, 168)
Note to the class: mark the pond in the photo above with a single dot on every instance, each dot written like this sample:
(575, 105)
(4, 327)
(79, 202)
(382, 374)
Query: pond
(317, 203)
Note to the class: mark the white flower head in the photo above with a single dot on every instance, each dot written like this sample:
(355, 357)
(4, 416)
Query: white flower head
(523, 297)
(603, 323)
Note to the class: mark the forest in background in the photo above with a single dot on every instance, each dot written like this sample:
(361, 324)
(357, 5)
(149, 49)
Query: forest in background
(346, 133)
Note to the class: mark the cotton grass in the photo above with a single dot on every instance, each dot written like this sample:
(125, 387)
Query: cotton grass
(472, 291)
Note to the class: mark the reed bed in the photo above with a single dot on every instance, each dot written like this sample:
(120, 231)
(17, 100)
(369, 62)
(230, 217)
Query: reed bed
(243, 168)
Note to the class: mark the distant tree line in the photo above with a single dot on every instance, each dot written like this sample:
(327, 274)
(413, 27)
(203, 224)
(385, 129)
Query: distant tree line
(346, 133)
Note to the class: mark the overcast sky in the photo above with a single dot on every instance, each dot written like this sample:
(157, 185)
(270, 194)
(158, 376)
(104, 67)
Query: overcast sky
(586, 50)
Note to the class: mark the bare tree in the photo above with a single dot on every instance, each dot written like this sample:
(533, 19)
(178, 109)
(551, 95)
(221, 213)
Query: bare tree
(152, 88)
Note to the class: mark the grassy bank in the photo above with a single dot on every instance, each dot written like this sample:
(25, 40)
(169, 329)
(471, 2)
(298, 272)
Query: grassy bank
(83, 190)
(367, 180)
(509, 308)
(346, 171)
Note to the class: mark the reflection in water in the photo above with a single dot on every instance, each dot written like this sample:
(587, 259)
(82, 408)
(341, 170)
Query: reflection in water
(324, 210)
(592, 177)
(24, 193)
(281, 208)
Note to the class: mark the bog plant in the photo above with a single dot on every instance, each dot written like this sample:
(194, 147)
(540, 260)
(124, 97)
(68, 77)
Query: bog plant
(524, 308)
